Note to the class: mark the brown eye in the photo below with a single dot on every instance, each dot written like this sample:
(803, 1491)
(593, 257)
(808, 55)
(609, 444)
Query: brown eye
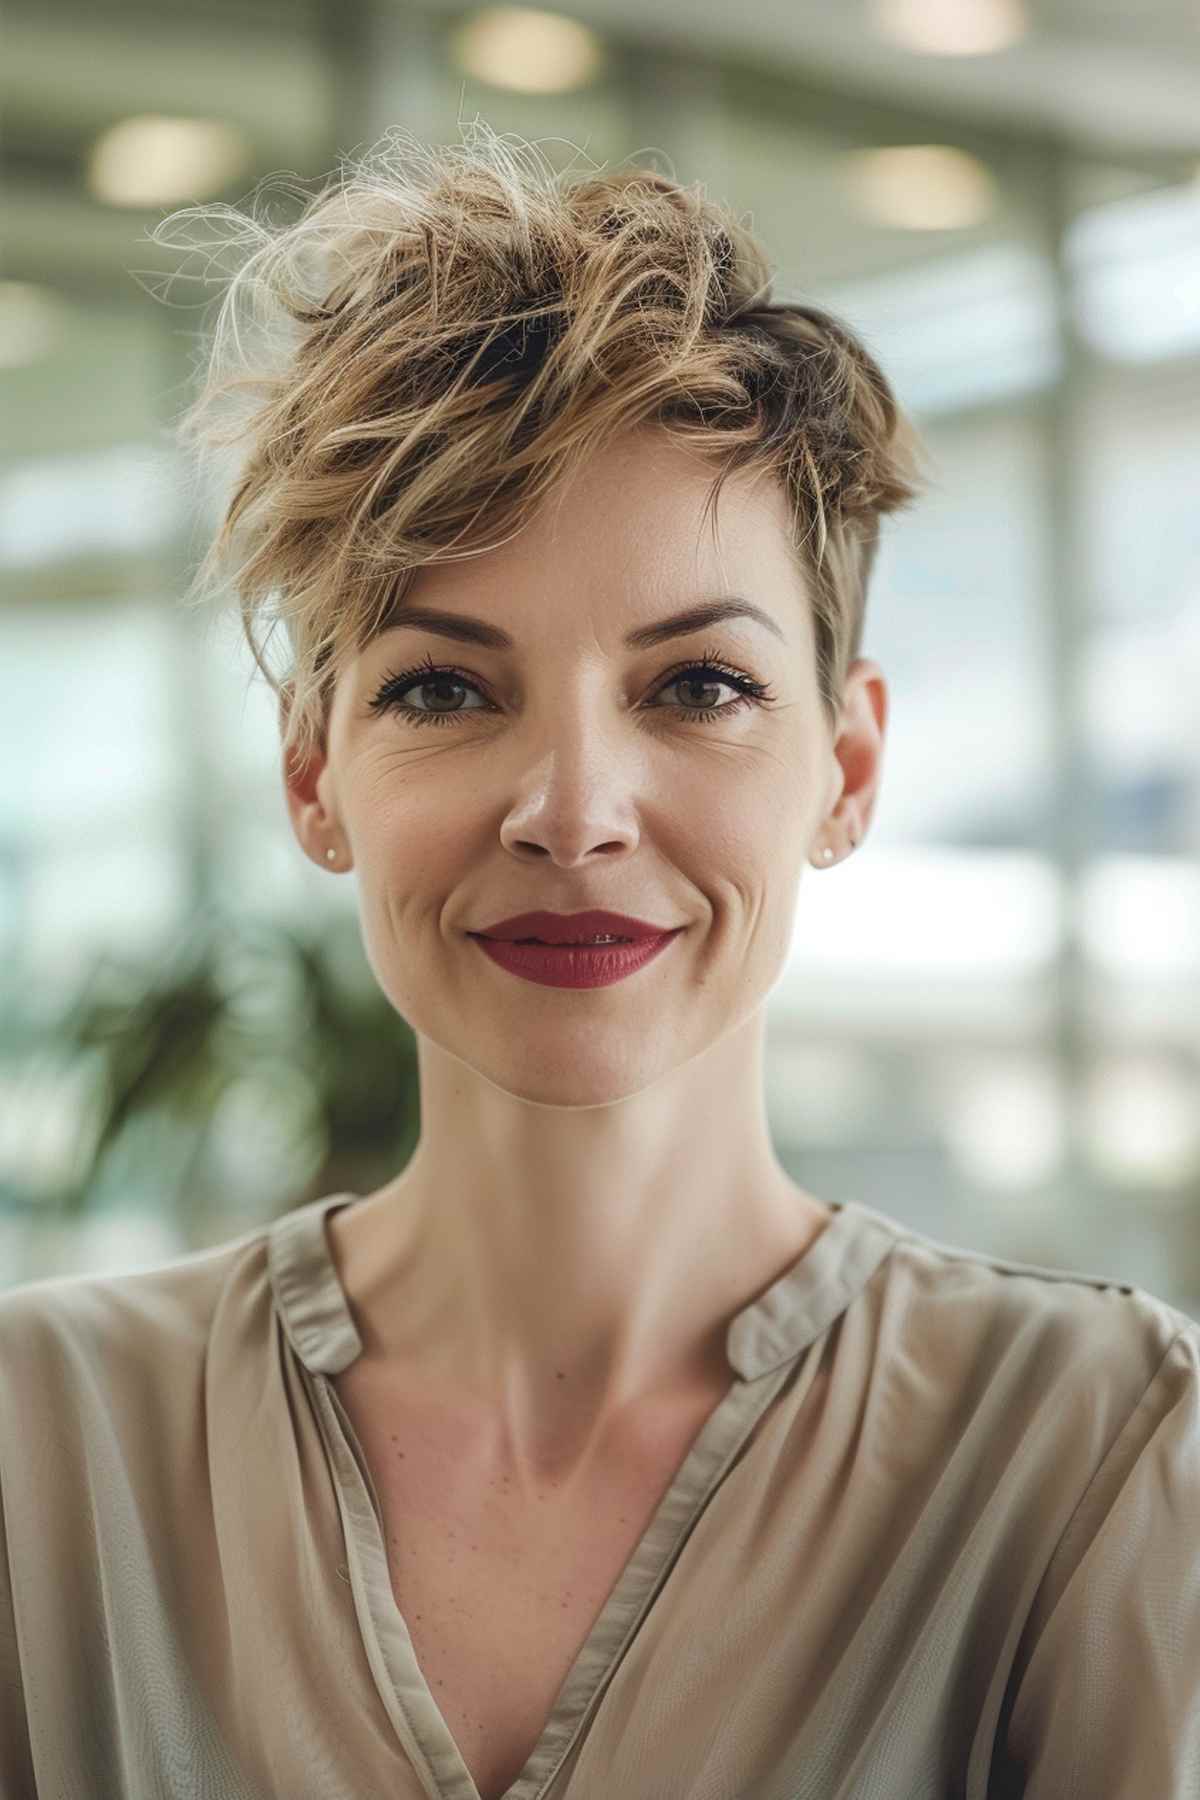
(706, 675)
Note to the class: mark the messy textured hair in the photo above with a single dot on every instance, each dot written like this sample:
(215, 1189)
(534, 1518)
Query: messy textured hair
(445, 333)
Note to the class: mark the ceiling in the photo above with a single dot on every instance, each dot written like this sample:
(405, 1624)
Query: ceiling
(1111, 74)
(1114, 79)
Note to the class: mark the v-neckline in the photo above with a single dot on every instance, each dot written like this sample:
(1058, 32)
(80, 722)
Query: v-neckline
(764, 1341)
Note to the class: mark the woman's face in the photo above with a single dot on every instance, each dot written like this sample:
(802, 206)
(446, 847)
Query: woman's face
(573, 771)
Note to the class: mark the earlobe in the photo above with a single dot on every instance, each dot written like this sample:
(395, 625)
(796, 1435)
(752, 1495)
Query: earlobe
(313, 820)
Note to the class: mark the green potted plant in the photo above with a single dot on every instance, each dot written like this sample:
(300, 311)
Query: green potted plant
(251, 1069)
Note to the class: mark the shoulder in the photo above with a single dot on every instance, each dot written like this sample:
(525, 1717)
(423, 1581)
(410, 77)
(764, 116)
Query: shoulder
(83, 1335)
(1031, 1331)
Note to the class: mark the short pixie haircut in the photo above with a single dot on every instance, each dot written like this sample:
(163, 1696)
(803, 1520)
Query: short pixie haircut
(445, 333)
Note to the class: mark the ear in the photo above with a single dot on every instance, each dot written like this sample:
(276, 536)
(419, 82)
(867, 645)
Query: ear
(307, 789)
(858, 749)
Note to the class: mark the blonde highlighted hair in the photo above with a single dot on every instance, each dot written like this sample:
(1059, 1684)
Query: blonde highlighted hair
(445, 333)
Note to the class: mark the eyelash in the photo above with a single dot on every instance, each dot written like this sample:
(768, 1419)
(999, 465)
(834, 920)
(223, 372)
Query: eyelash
(750, 691)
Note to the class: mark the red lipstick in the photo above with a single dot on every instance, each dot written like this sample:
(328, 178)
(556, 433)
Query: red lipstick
(572, 928)
(575, 966)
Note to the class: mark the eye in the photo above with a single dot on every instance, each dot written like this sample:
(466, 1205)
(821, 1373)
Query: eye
(703, 674)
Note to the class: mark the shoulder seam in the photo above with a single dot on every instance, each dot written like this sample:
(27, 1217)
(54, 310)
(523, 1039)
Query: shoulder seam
(1003, 1265)
(83, 1280)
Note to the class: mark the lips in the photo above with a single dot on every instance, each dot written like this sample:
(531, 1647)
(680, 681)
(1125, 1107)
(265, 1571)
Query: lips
(560, 966)
(572, 928)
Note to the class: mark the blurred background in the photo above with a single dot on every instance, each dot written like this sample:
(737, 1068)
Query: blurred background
(989, 1026)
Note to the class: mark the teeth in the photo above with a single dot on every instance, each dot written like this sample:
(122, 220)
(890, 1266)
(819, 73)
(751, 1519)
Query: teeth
(580, 944)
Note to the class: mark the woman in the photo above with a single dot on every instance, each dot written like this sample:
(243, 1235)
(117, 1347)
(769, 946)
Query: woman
(590, 1456)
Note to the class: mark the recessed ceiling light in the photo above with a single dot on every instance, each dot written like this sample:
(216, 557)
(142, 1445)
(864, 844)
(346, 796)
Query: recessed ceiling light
(528, 51)
(951, 27)
(152, 160)
(921, 187)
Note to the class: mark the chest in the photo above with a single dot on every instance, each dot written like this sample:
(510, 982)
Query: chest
(499, 1595)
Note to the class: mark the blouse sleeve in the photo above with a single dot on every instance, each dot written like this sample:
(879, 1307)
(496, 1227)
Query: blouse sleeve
(1108, 1703)
(16, 1757)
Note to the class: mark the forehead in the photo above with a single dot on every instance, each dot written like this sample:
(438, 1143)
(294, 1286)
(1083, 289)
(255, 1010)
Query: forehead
(632, 532)
(646, 494)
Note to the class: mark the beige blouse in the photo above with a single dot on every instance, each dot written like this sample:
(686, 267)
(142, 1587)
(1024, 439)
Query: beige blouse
(959, 1562)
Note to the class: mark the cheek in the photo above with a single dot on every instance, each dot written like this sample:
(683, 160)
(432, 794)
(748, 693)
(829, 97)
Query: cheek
(414, 859)
(748, 831)
(398, 822)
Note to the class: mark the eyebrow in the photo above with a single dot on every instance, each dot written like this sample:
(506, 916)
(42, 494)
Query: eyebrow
(466, 630)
